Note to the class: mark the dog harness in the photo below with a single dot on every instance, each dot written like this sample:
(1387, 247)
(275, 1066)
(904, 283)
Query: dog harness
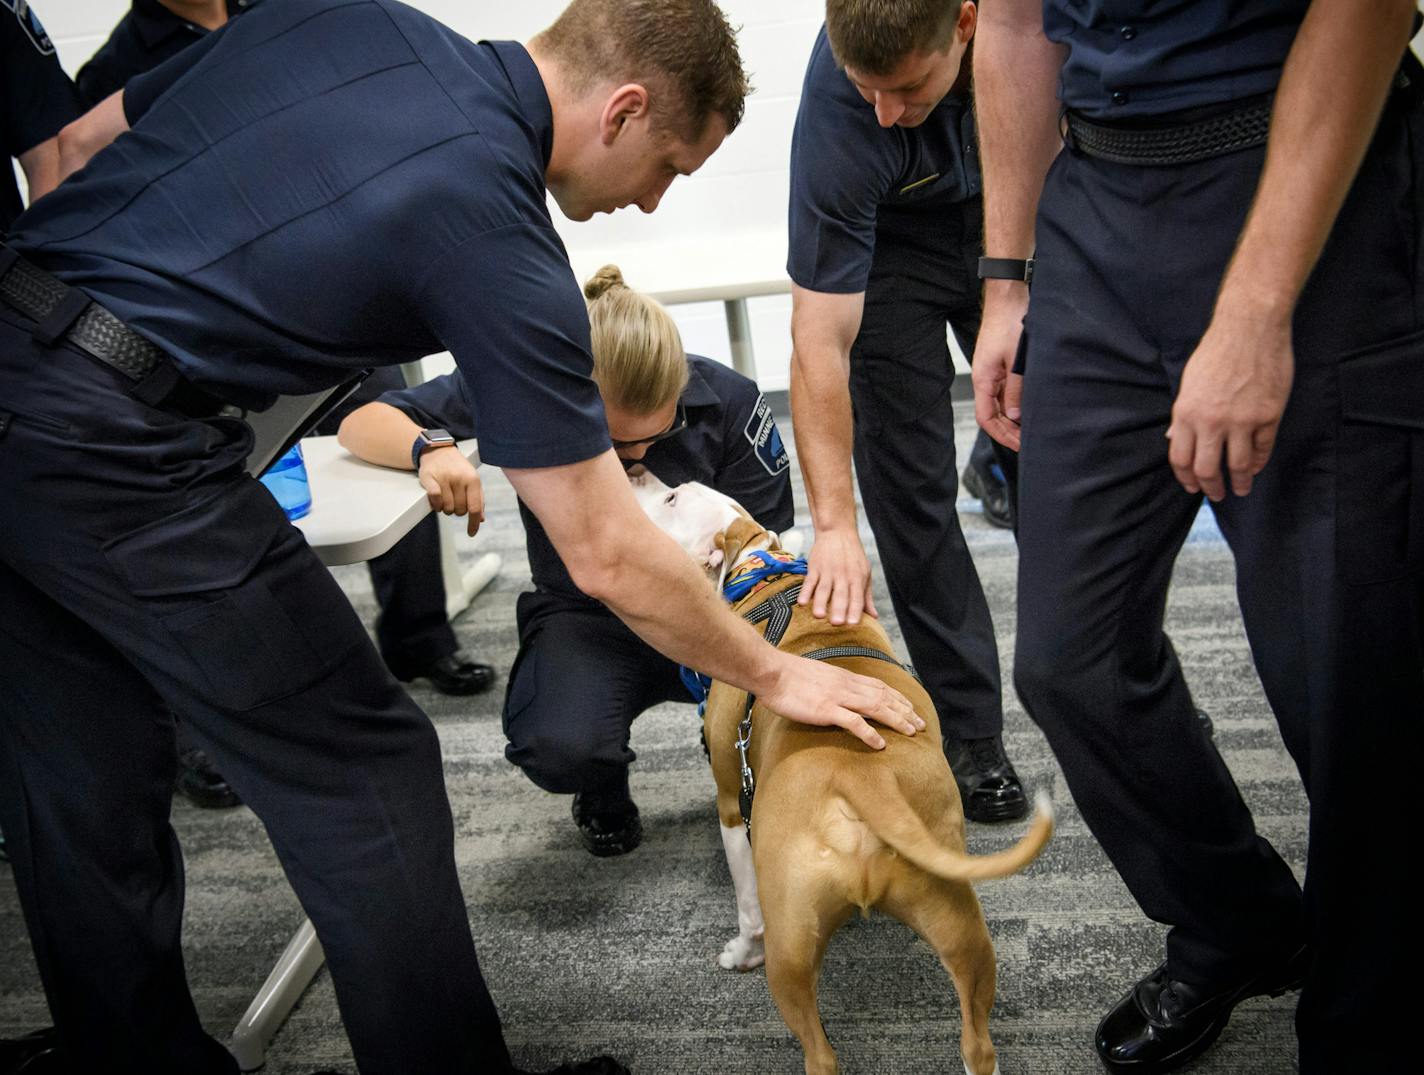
(776, 612)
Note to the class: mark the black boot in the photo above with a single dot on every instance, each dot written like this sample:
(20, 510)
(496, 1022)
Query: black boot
(607, 819)
(201, 783)
(453, 674)
(987, 485)
(988, 785)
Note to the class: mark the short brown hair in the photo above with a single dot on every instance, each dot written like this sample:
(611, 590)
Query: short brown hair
(683, 47)
(874, 36)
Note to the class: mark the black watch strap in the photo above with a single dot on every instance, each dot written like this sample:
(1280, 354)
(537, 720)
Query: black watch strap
(1006, 269)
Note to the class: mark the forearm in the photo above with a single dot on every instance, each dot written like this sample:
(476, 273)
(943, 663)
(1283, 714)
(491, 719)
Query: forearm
(1016, 109)
(90, 133)
(41, 167)
(822, 426)
(380, 434)
(617, 556)
(824, 327)
(705, 634)
(1332, 91)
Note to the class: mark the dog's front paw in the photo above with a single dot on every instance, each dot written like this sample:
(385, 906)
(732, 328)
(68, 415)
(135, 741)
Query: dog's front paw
(742, 953)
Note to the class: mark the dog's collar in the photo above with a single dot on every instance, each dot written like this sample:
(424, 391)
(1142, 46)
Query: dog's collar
(757, 569)
(753, 573)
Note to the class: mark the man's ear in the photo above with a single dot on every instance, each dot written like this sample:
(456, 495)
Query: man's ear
(628, 101)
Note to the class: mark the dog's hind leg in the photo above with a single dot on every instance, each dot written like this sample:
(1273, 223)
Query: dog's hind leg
(745, 951)
(948, 916)
(800, 919)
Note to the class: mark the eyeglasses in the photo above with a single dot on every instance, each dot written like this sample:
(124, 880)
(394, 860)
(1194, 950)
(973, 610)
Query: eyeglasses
(679, 423)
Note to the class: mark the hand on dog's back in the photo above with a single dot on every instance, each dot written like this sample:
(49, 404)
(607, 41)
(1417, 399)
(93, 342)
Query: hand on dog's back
(813, 692)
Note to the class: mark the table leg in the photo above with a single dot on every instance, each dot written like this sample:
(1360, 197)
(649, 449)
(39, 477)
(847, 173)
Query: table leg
(739, 333)
(274, 1001)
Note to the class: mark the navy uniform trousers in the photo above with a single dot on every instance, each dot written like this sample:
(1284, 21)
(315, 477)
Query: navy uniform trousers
(579, 681)
(1329, 551)
(142, 571)
(924, 274)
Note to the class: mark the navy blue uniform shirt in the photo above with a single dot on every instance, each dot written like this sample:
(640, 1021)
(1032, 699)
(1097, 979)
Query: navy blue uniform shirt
(326, 185)
(146, 36)
(1148, 57)
(36, 96)
(845, 167)
(731, 443)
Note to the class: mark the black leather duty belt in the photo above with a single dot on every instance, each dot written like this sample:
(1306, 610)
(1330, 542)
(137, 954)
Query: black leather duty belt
(61, 312)
(1183, 143)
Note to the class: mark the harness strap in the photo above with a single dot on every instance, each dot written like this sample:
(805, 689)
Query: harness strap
(776, 610)
(744, 728)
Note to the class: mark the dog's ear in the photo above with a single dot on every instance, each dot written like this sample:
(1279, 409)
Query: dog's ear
(736, 537)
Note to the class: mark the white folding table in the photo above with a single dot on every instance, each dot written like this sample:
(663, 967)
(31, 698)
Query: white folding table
(359, 511)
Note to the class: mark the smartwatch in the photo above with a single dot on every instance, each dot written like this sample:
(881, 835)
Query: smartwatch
(427, 439)
(1006, 269)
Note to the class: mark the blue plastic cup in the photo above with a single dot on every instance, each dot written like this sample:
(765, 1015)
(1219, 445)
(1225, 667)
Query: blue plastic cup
(286, 480)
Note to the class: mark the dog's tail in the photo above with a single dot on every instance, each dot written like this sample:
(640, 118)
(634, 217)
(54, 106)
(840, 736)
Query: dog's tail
(893, 820)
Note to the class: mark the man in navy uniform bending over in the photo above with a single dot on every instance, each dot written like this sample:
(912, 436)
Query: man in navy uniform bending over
(884, 242)
(1227, 300)
(316, 186)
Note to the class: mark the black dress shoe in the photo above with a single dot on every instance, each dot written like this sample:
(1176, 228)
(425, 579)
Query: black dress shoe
(5, 855)
(201, 783)
(452, 674)
(992, 493)
(608, 823)
(599, 1065)
(29, 1053)
(1162, 1024)
(988, 785)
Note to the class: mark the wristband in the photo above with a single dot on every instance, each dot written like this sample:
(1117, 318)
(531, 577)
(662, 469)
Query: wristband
(425, 440)
(1006, 269)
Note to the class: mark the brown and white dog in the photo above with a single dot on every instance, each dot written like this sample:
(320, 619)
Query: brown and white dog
(837, 827)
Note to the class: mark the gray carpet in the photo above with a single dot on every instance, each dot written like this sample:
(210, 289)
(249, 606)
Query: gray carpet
(587, 955)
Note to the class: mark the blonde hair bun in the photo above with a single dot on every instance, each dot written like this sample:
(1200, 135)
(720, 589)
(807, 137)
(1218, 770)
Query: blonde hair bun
(602, 282)
(638, 360)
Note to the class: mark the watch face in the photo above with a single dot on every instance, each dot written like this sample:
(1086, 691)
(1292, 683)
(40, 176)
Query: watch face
(437, 436)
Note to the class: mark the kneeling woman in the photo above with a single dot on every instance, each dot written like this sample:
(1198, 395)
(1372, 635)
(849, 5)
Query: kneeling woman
(581, 677)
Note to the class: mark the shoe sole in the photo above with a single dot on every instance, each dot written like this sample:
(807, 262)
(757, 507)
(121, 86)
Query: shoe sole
(205, 800)
(1012, 810)
(1207, 1039)
(608, 851)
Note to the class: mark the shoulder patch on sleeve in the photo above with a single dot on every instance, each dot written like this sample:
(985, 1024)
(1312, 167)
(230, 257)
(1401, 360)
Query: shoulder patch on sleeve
(30, 23)
(765, 438)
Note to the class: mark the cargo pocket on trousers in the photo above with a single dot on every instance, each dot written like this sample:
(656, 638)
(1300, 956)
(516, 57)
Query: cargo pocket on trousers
(240, 594)
(1379, 469)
